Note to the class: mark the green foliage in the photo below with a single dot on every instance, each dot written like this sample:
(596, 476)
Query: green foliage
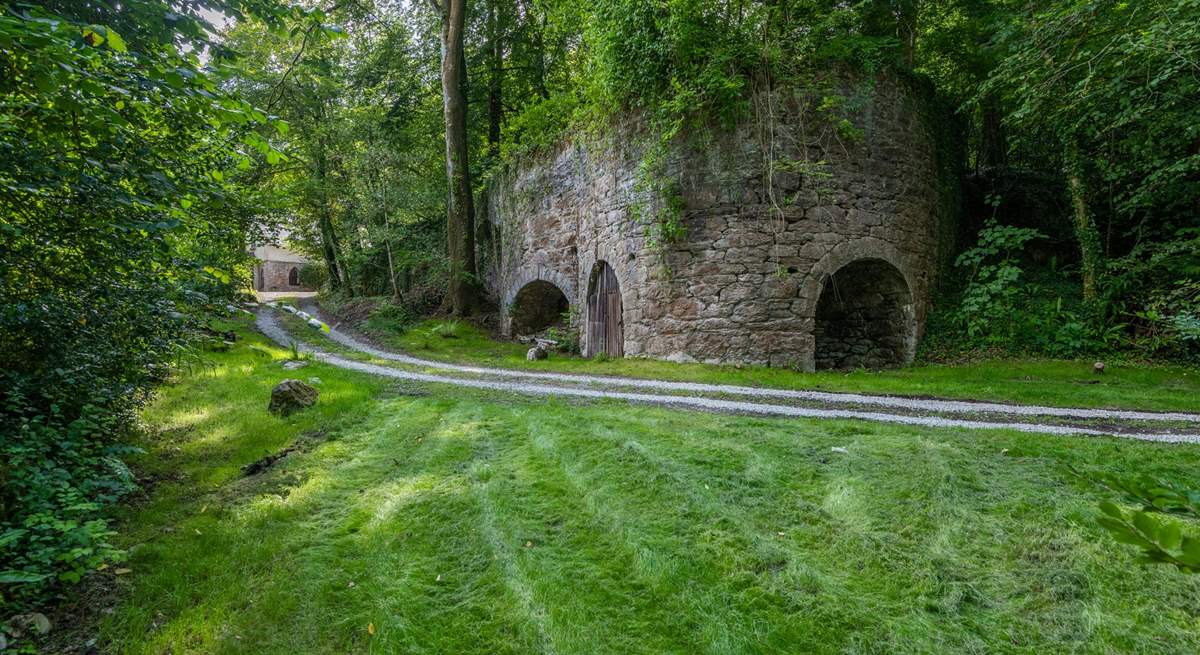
(992, 290)
(1162, 540)
(364, 191)
(1156, 290)
(122, 227)
(451, 329)
(314, 276)
(1104, 91)
(566, 333)
(658, 203)
(391, 317)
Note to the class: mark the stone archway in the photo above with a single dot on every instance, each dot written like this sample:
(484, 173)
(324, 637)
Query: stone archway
(534, 289)
(864, 318)
(537, 306)
(838, 258)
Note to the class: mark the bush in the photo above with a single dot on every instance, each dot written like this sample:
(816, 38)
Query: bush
(121, 224)
(67, 403)
(566, 333)
(993, 287)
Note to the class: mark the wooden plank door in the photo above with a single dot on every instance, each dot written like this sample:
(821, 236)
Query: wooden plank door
(605, 327)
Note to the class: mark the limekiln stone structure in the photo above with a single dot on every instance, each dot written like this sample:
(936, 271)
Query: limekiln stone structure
(803, 246)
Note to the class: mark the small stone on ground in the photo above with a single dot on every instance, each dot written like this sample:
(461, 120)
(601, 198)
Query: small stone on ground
(290, 396)
(536, 353)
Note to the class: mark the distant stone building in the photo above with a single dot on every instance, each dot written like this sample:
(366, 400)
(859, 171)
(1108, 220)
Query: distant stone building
(799, 246)
(278, 269)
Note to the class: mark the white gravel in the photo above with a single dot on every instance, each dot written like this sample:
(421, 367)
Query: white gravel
(896, 402)
(270, 327)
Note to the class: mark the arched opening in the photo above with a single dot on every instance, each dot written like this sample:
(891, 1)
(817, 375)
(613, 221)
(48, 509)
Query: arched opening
(605, 328)
(294, 277)
(537, 306)
(865, 318)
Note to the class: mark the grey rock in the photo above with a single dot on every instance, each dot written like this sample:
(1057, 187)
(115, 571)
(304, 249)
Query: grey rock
(291, 396)
(536, 353)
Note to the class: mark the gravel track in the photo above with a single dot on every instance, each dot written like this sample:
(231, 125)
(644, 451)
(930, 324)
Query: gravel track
(896, 402)
(269, 326)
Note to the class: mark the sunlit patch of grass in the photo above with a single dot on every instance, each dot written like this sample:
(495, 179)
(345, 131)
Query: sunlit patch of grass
(468, 522)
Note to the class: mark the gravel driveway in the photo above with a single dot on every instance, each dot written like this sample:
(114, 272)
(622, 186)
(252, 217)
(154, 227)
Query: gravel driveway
(710, 397)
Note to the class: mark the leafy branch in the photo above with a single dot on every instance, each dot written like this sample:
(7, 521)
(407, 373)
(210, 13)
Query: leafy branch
(1162, 540)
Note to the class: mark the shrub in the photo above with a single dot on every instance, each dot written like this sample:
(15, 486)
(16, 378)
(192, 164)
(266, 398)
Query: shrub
(566, 333)
(993, 285)
(119, 229)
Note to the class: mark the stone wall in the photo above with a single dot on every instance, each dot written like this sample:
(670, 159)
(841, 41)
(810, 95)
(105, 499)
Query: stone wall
(771, 209)
(275, 276)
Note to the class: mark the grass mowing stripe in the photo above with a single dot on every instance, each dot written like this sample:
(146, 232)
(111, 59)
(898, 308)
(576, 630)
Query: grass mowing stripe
(515, 579)
(573, 564)
(694, 558)
(915, 540)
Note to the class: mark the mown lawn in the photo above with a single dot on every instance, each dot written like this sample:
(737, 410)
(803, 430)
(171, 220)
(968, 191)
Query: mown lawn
(1044, 382)
(434, 520)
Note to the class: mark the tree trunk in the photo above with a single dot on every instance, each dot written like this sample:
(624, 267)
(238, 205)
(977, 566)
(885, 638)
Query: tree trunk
(993, 144)
(1085, 227)
(329, 245)
(387, 245)
(460, 215)
(906, 30)
(329, 250)
(539, 47)
(495, 81)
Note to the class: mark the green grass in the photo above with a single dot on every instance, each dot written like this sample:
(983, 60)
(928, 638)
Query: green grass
(1044, 382)
(460, 522)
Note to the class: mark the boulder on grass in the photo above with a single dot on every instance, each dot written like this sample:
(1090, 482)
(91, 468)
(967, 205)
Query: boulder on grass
(291, 396)
(535, 353)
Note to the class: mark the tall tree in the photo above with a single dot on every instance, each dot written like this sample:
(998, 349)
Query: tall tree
(463, 293)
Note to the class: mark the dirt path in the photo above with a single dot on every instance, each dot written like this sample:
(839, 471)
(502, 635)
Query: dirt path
(701, 396)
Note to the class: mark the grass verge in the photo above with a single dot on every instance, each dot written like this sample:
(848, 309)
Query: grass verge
(434, 520)
(1057, 383)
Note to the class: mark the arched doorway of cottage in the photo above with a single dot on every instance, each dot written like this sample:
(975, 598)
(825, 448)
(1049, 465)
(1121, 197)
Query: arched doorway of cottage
(605, 327)
(865, 318)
